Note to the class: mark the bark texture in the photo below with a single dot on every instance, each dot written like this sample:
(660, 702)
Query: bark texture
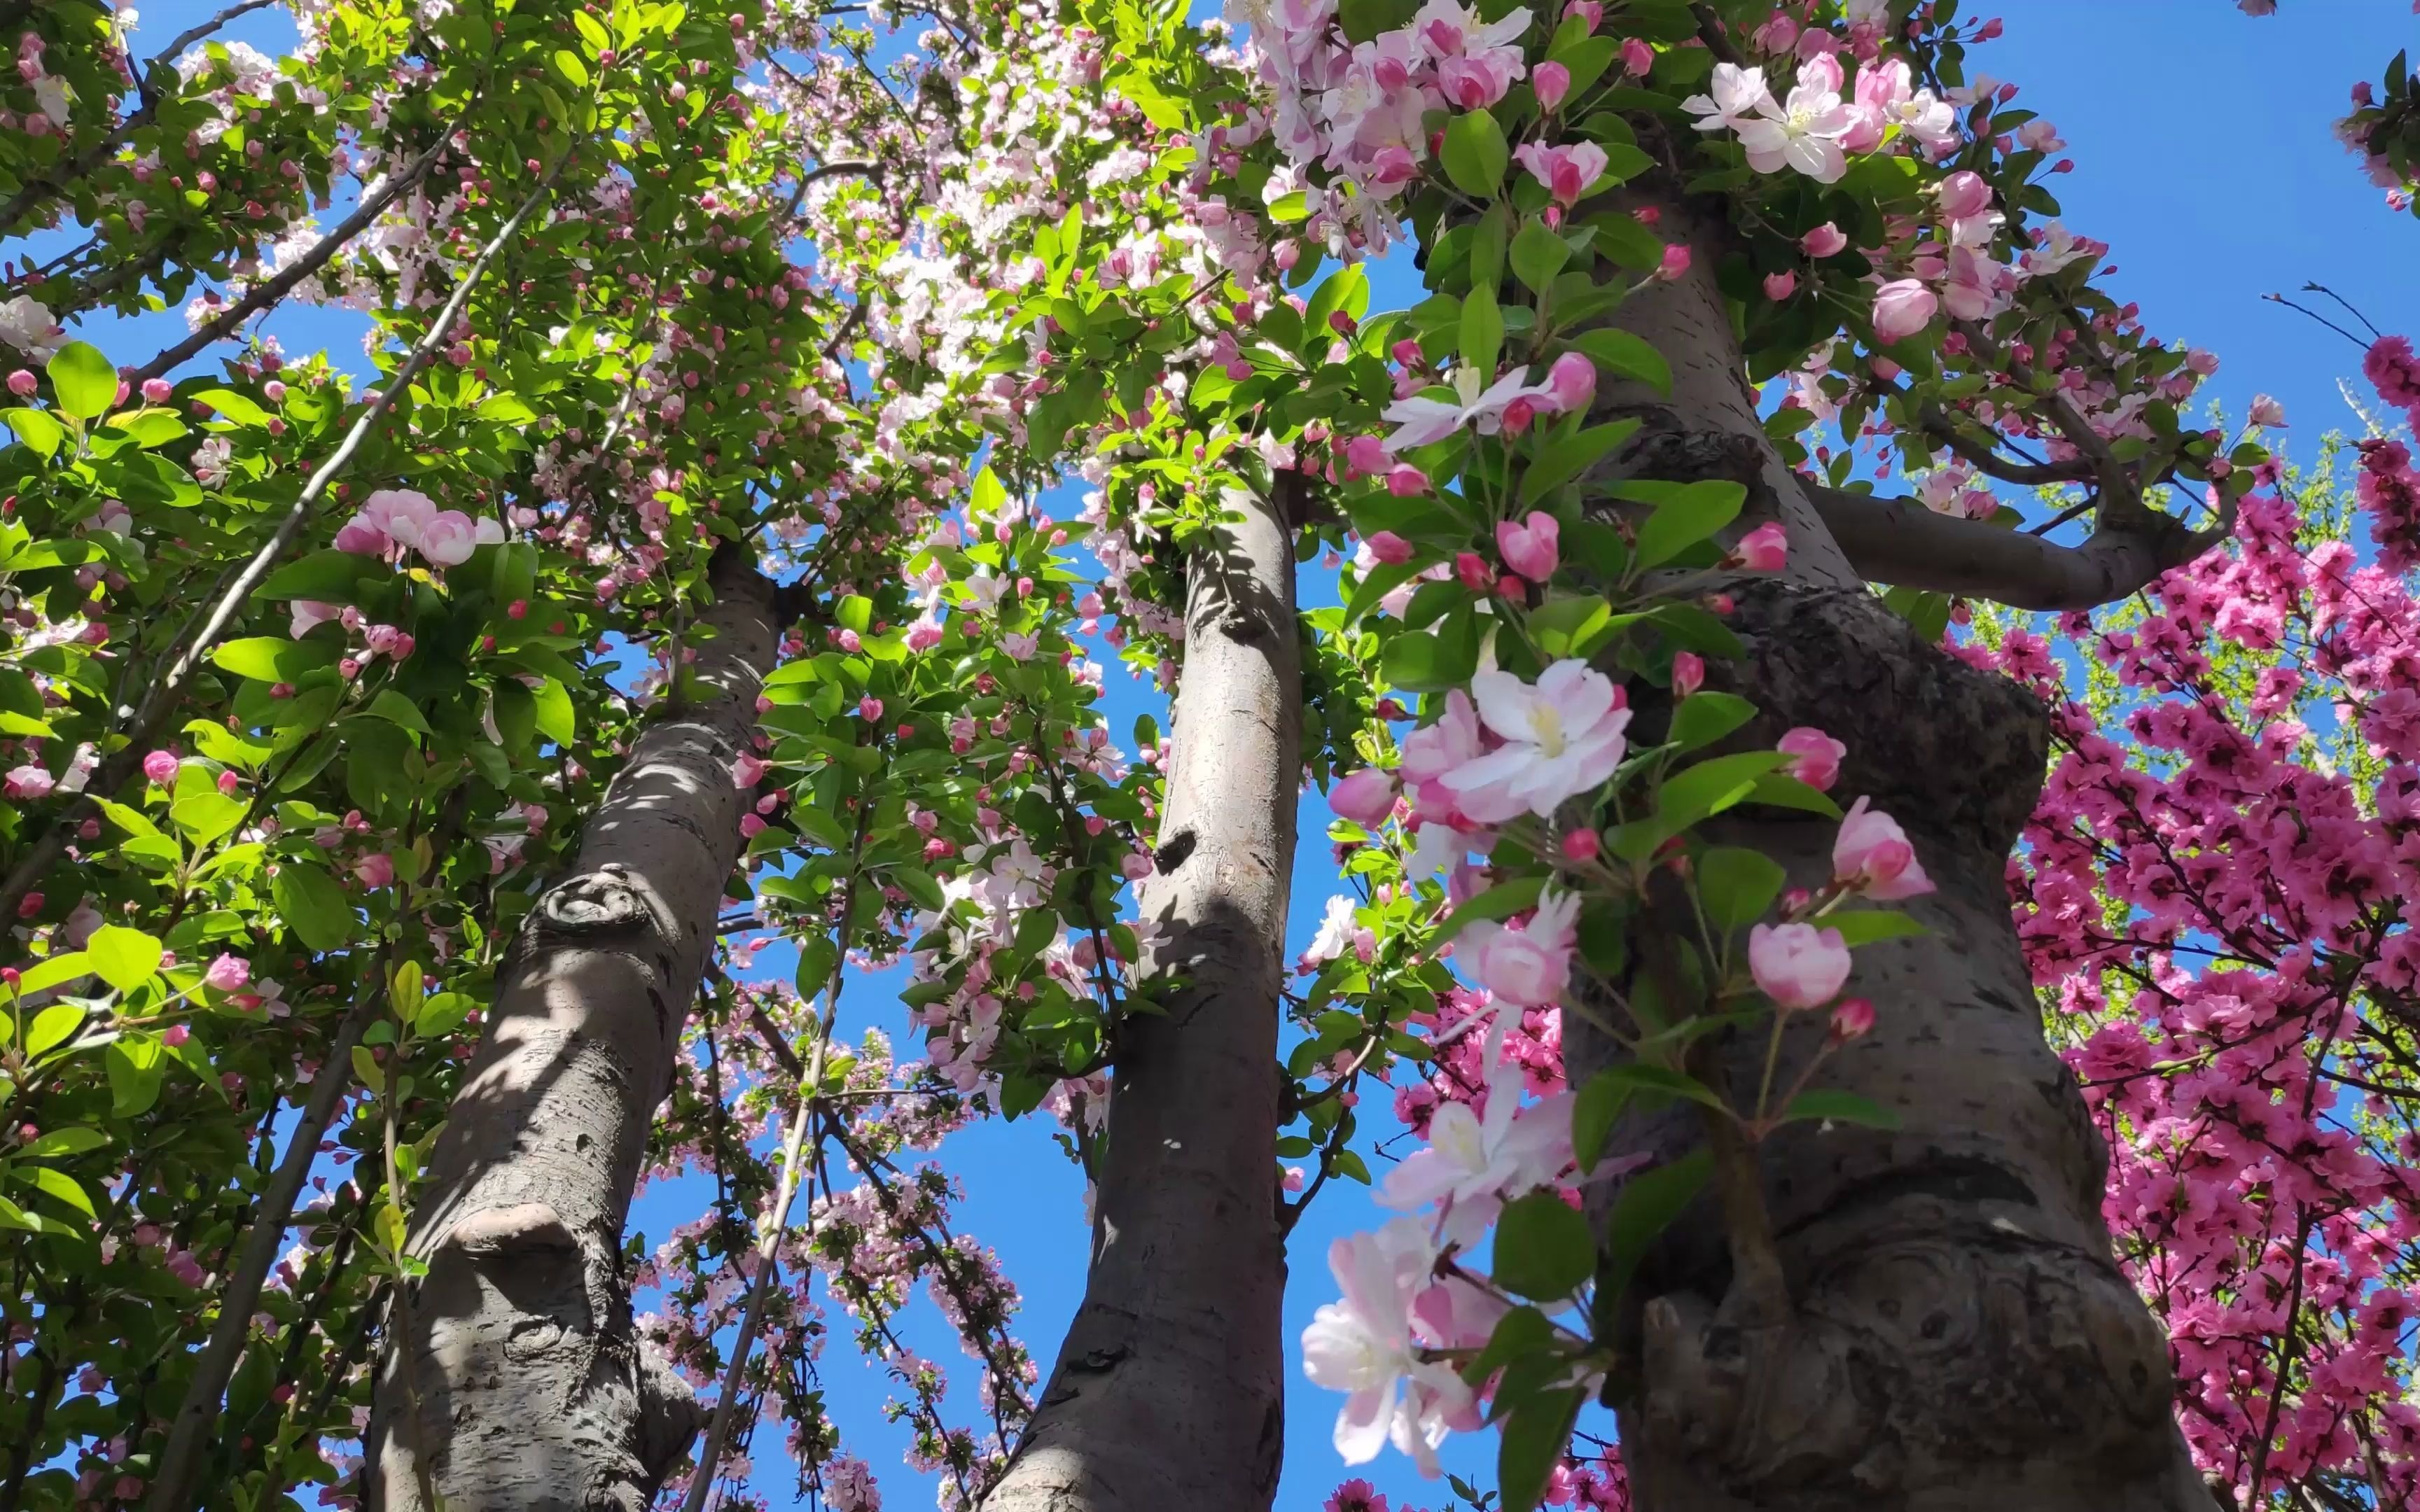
(1959, 1335)
(512, 1379)
(1169, 1392)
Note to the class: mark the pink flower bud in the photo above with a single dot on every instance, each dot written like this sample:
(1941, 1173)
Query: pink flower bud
(1676, 262)
(1365, 797)
(1689, 673)
(1581, 845)
(1854, 1019)
(1874, 855)
(1765, 549)
(1825, 240)
(22, 383)
(1902, 308)
(227, 973)
(1390, 548)
(161, 766)
(1553, 81)
(157, 391)
(1779, 286)
(1407, 481)
(869, 708)
(1368, 455)
(1472, 569)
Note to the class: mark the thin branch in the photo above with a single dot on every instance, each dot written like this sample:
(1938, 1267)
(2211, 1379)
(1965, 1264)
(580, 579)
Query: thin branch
(92, 157)
(169, 689)
(270, 293)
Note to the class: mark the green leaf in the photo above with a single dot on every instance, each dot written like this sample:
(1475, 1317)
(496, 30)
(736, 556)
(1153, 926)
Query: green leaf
(367, 1071)
(1502, 901)
(149, 427)
(82, 381)
(1706, 717)
(922, 887)
(124, 958)
(203, 817)
(1535, 1434)
(1475, 154)
(1566, 460)
(59, 1143)
(331, 577)
(1522, 1330)
(1686, 514)
(855, 612)
(39, 429)
(1646, 1205)
(1738, 885)
(135, 1066)
(1709, 787)
(60, 1185)
(1482, 331)
(54, 971)
(1833, 1105)
(1419, 661)
(313, 905)
(1538, 256)
(1628, 355)
(233, 406)
(551, 702)
(1346, 289)
(51, 1028)
(1544, 1249)
(1785, 792)
(1866, 926)
(394, 708)
(269, 658)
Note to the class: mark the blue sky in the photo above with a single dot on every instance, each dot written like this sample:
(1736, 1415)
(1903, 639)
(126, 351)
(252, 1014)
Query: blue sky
(2204, 156)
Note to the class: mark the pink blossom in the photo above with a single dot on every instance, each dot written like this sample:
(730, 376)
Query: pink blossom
(1636, 57)
(1479, 80)
(1365, 797)
(161, 766)
(447, 538)
(376, 870)
(1390, 548)
(1675, 265)
(1563, 737)
(1529, 965)
(1368, 454)
(1902, 308)
(2266, 413)
(1815, 757)
(1797, 965)
(747, 771)
(1765, 549)
(1571, 383)
(1825, 240)
(1963, 195)
(1874, 855)
(1566, 171)
(29, 781)
(227, 973)
(1530, 547)
(309, 613)
(1779, 286)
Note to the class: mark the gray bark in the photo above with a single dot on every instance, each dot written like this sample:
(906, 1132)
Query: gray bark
(1167, 1396)
(1957, 1333)
(531, 1390)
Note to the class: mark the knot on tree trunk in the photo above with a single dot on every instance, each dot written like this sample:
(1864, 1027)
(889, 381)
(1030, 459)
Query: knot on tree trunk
(522, 1335)
(595, 902)
(1948, 749)
(1934, 1353)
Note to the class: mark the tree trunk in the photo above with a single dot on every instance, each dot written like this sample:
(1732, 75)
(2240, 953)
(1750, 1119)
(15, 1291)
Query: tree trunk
(513, 1381)
(1960, 1334)
(1168, 1392)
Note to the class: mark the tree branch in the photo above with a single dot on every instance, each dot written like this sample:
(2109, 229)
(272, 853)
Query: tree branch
(1901, 542)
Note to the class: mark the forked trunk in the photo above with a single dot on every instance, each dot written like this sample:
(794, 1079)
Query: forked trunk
(1169, 1392)
(511, 1380)
(1960, 1334)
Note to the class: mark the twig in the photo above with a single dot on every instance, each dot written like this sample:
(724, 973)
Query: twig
(169, 688)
